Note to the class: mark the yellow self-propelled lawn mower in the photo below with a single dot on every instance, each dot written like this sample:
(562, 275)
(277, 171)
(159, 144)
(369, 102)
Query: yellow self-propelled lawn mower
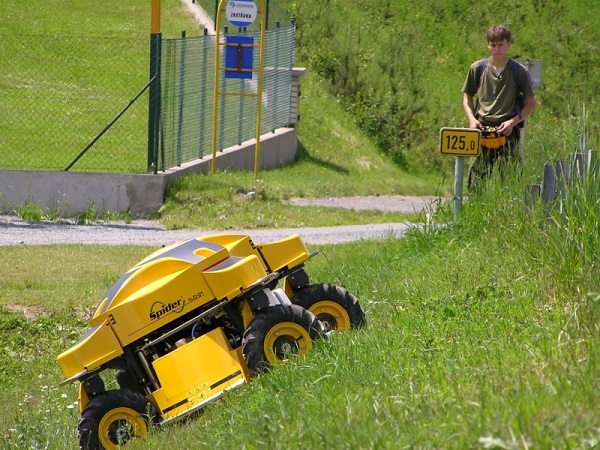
(191, 321)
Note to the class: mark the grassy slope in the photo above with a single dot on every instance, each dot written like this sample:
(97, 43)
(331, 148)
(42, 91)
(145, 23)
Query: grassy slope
(334, 159)
(482, 335)
(411, 57)
(69, 68)
(473, 338)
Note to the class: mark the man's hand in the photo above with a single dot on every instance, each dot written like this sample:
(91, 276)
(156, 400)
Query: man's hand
(475, 124)
(505, 128)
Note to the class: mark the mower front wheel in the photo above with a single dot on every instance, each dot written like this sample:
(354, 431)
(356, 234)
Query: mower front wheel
(112, 419)
(335, 307)
(277, 332)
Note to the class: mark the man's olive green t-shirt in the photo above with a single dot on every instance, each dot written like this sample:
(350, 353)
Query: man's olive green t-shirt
(496, 94)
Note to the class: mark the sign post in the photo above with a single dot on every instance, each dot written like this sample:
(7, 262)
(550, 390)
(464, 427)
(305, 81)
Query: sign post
(238, 64)
(459, 142)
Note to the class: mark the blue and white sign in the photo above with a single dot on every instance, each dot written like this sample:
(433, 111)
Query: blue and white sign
(241, 13)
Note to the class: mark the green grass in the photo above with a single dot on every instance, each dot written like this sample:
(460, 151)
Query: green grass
(334, 159)
(481, 335)
(69, 69)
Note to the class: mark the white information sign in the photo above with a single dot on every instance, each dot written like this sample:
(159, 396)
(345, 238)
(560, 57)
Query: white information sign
(241, 13)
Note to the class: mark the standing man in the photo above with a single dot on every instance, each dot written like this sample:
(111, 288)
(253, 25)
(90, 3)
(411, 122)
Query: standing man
(504, 100)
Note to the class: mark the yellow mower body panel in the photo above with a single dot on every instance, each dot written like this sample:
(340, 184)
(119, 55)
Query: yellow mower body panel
(98, 346)
(234, 275)
(144, 299)
(188, 382)
(236, 244)
(286, 253)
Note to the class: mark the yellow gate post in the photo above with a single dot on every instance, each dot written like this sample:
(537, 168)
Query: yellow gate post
(218, 69)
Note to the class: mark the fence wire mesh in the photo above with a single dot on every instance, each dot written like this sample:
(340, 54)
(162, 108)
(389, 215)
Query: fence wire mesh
(188, 96)
(59, 92)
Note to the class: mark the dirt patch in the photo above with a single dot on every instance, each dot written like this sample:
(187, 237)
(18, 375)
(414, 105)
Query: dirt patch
(30, 312)
(387, 203)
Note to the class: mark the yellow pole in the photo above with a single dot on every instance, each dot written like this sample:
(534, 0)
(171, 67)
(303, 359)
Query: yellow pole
(216, 89)
(263, 26)
(155, 17)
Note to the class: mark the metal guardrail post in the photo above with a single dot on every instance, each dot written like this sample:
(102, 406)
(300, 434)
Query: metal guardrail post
(548, 188)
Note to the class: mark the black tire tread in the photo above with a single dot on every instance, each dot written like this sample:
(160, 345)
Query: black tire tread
(308, 296)
(99, 406)
(254, 337)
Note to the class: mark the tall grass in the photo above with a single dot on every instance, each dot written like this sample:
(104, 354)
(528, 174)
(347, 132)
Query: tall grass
(481, 334)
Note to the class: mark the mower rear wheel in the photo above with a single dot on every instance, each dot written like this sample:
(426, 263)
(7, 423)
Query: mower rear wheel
(335, 307)
(278, 332)
(112, 419)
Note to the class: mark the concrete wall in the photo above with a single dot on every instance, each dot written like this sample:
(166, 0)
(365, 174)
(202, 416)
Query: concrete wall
(72, 193)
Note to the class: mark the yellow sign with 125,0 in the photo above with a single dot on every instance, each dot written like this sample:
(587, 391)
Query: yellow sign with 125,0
(460, 141)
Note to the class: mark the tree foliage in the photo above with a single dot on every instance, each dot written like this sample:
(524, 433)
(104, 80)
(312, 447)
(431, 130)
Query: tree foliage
(399, 65)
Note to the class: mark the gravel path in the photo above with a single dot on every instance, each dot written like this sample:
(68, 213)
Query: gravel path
(387, 203)
(14, 231)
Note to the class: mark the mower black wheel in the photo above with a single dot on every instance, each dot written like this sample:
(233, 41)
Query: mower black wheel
(335, 307)
(112, 419)
(278, 332)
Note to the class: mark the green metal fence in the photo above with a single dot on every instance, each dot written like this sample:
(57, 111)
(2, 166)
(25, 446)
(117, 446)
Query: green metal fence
(187, 96)
(82, 103)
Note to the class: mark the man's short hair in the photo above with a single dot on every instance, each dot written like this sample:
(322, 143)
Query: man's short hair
(498, 33)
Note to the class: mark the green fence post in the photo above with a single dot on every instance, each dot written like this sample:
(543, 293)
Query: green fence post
(154, 92)
(267, 16)
(181, 96)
